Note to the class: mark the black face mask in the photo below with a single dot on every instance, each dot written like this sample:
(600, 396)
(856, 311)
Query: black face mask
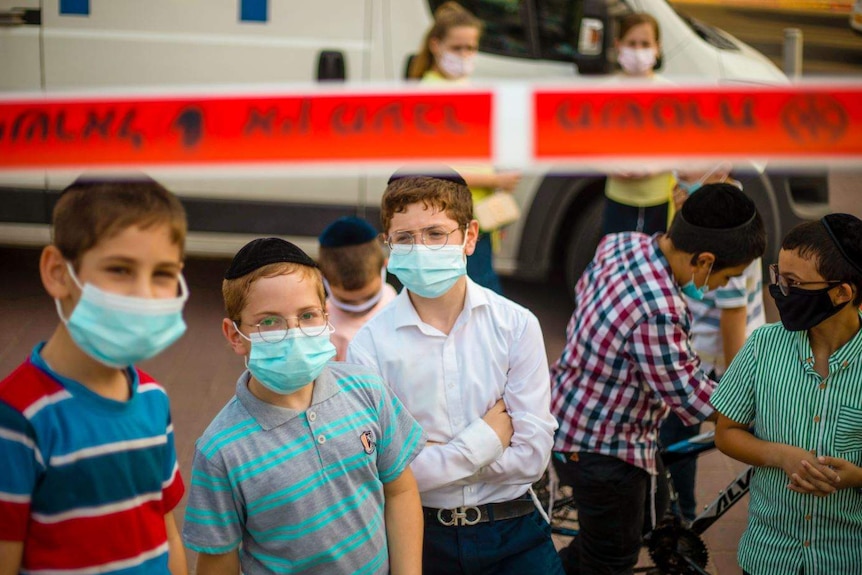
(802, 309)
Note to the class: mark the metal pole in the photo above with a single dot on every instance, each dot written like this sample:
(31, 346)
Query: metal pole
(793, 53)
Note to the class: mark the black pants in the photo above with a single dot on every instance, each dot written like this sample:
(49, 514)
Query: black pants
(614, 504)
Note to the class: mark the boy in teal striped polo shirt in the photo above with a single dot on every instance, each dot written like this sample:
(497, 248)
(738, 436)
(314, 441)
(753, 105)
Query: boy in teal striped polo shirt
(306, 469)
(800, 383)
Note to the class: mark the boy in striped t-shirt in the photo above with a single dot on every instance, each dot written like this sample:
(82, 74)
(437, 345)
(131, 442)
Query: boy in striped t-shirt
(306, 469)
(800, 383)
(89, 474)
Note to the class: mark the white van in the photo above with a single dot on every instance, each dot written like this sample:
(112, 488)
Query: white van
(90, 44)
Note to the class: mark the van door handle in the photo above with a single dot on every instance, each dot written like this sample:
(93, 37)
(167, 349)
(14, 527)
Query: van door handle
(20, 17)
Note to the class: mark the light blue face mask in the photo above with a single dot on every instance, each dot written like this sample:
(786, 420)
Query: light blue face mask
(289, 365)
(694, 292)
(118, 330)
(429, 273)
(689, 187)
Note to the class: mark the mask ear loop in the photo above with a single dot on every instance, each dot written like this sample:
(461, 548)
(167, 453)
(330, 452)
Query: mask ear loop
(77, 282)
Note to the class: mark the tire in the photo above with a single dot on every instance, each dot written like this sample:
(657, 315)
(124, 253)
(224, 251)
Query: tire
(583, 239)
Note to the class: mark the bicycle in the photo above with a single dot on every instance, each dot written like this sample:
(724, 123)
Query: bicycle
(675, 548)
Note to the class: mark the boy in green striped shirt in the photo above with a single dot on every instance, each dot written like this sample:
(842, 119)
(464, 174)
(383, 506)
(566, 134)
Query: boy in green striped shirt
(800, 384)
(306, 469)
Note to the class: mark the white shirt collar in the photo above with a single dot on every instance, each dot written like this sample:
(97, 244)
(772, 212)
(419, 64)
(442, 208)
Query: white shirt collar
(406, 315)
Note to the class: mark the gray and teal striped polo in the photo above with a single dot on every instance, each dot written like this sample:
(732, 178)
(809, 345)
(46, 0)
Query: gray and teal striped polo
(302, 492)
(772, 383)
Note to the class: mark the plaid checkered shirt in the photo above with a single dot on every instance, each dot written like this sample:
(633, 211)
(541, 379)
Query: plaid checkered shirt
(628, 358)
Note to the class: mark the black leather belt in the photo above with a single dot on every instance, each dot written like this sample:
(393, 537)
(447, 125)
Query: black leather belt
(473, 514)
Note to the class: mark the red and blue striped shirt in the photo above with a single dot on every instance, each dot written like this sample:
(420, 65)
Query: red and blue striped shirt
(86, 480)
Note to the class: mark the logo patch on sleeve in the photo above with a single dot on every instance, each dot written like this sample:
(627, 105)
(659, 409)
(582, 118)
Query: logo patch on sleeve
(368, 444)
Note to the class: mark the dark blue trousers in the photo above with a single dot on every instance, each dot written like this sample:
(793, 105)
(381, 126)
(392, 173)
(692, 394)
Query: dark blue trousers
(519, 546)
(480, 265)
(622, 218)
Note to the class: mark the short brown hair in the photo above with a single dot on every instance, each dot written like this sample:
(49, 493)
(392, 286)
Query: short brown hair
(235, 291)
(445, 196)
(92, 210)
(351, 267)
(631, 20)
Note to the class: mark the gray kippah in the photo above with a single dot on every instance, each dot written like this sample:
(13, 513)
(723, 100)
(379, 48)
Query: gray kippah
(438, 172)
(264, 251)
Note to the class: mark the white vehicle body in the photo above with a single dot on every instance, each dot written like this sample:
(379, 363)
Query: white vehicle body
(160, 44)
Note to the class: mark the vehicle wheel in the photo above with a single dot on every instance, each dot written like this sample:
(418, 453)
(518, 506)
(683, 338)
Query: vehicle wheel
(583, 239)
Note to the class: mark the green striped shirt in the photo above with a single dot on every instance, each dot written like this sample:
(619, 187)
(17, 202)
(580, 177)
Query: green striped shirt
(302, 492)
(773, 383)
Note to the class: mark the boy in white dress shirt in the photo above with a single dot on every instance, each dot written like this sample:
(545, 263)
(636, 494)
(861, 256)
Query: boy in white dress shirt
(471, 367)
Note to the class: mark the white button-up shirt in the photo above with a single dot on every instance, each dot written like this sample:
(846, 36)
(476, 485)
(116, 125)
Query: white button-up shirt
(448, 382)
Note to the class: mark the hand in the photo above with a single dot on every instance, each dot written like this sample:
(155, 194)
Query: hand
(499, 420)
(848, 474)
(806, 473)
(679, 197)
(508, 181)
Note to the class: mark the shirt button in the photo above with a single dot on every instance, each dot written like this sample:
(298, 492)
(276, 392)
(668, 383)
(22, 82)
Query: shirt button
(806, 544)
(321, 439)
(808, 517)
(816, 419)
(312, 416)
(809, 360)
(822, 386)
(845, 363)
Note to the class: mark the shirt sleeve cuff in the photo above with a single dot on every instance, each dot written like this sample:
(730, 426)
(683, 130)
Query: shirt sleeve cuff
(481, 443)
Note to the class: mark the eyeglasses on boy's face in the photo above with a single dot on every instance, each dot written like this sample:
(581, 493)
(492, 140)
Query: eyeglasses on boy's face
(784, 284)
(273, 328)
(432, 237)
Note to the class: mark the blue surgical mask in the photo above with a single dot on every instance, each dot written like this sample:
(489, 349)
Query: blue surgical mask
(427, 272)
(289, 365)
(118, 330)
(360, 308)
(694, 292)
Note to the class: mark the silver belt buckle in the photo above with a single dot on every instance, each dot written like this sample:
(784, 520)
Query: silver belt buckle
(460, 516)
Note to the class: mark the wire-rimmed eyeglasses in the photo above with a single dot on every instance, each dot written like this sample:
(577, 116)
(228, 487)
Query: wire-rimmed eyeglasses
(273, 328)
(785, 284)
(433, 237)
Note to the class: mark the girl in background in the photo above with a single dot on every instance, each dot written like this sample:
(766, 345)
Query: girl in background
(638, 200)
(448, 54)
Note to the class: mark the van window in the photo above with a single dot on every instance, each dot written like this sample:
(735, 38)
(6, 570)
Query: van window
(558, 28)
(507, 26)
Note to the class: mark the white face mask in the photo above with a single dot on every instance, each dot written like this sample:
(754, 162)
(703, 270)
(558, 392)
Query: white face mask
(637, 61)
(360, 307)
(455, 66)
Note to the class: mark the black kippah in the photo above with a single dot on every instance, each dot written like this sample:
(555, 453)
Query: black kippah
(438, 172)
(264, 251)
(347, 231)
(845, 231)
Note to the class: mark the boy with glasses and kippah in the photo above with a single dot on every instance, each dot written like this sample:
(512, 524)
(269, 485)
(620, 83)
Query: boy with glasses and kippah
(800, 383)
(470, 365)
(628, 362)
(306, 469)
